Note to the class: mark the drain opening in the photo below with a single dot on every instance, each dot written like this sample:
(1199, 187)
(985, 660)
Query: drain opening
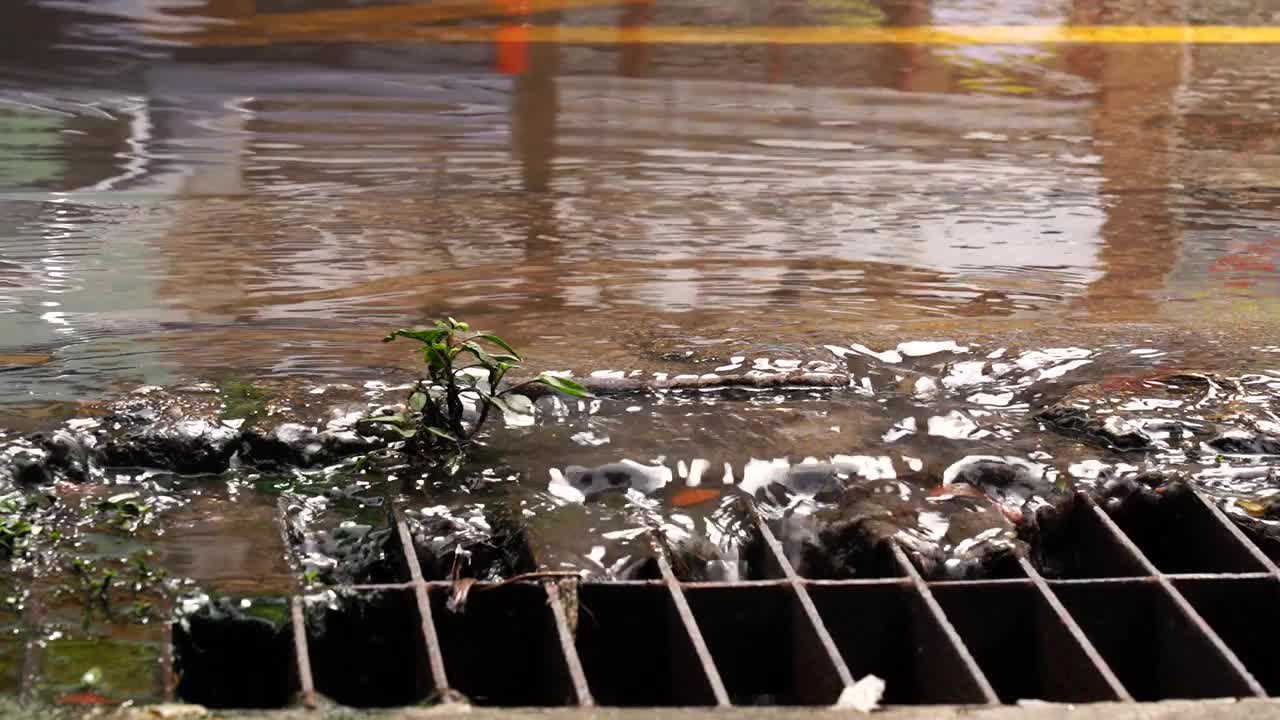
(1151, 645)
(634, 649)
(1178, 533)
(1079, 546)
(1033, 655)
(1107, 624)
(883, 629)
(1238, 610)
(763, 645)
(229, 654)
(365, 651)
(502, 647)
(840, 551)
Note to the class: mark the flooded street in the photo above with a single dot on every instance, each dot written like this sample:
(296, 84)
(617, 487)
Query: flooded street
(887, 270)
(185, 199)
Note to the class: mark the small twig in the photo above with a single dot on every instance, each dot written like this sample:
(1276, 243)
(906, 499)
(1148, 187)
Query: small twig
(463, 587)
(532, 576)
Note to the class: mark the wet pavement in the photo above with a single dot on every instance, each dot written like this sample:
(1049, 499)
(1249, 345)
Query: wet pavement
(1055, 258)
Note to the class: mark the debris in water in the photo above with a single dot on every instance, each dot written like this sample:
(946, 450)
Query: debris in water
(863, 696)
(694, 496)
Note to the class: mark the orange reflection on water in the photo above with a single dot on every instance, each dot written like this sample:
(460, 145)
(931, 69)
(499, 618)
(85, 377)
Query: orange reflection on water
(512, 38)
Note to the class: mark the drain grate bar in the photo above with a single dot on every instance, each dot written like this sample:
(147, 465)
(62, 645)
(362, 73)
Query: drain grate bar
(565, 631)
(430, 643)
(1123, 604)
(706, 670)
(301, 680)
(826, 676)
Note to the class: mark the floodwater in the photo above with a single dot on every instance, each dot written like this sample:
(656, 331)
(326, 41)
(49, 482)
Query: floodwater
(189, 192)
(243, 192)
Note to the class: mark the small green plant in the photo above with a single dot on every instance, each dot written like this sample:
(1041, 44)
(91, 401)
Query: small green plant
(242, 401)
(99, 589)
(462, 365)
(126, 511)
(16, 527)
(14, 536)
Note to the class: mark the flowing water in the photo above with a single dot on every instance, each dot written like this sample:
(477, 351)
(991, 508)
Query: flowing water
(242, 193)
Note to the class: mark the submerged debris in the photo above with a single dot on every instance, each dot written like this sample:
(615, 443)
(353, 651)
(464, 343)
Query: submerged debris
(294, 444)
(818, 374)
(182, 431)
(470, 541)
(1188, 412)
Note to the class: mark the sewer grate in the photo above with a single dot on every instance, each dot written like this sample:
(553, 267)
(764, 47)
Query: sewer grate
(1167, 602)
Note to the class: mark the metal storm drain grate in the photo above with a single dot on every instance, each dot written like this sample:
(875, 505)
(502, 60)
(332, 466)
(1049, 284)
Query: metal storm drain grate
(1170, 602)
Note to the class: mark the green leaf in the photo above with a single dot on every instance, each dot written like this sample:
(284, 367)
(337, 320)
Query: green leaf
(425, 337)
(500, 343)
(564, 385)
(397, 421)
(442, 433)
(513, 404)
(480, 354)
(436, 356)
(362, 462)
(418, 400)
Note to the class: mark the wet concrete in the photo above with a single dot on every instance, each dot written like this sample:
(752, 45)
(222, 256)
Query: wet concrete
(1168, 710)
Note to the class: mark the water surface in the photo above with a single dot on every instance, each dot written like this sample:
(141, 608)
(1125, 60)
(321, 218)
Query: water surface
(185, 199)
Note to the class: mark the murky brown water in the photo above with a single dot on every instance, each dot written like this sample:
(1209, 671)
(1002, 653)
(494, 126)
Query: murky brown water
(175, 212)
(199, 191)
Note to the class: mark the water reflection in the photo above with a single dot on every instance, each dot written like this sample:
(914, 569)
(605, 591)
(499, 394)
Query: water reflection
(204, 212)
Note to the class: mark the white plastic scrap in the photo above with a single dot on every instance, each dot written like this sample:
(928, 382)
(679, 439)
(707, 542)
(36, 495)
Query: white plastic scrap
(955, 425)
(920, 348)
(970, 372)
(925, 388)
(589, 439)
(866, 466)
(991, 399)
(900, 429)
(862, 696)
(888, 356)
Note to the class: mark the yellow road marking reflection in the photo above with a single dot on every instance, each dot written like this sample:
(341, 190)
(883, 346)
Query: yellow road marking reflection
(932, 35)
(756, 35)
